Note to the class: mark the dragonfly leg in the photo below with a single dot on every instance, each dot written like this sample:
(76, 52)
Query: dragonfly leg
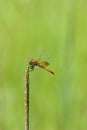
(31, 68)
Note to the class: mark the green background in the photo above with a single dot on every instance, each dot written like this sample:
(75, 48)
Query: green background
(27, 27)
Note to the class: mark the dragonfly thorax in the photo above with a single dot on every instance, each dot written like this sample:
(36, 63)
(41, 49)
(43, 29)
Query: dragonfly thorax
(32, 64)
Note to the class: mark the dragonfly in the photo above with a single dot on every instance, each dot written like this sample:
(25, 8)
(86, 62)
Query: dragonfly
(39, 63)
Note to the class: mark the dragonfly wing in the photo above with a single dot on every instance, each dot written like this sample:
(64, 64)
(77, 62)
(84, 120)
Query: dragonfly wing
(39, 59)
(43, 57)
(44, 63)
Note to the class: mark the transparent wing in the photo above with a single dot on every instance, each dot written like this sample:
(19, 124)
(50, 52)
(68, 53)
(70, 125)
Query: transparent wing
(43, 56)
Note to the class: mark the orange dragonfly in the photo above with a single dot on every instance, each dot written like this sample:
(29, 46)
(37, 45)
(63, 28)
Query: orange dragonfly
(39, 63)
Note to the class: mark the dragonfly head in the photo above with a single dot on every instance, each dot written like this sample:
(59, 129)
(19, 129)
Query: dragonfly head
(31, 65)
(31, 62)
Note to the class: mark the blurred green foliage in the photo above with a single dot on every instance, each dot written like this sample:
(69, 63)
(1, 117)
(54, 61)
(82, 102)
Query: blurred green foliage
(57, 102)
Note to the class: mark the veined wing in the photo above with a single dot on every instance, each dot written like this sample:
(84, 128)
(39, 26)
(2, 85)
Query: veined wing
(44, 63)
(43, 58)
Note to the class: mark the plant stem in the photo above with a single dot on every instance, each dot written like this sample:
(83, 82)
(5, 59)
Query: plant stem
(27, 100)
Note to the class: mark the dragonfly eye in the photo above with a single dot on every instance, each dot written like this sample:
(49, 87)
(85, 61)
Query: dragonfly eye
(31, 61)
